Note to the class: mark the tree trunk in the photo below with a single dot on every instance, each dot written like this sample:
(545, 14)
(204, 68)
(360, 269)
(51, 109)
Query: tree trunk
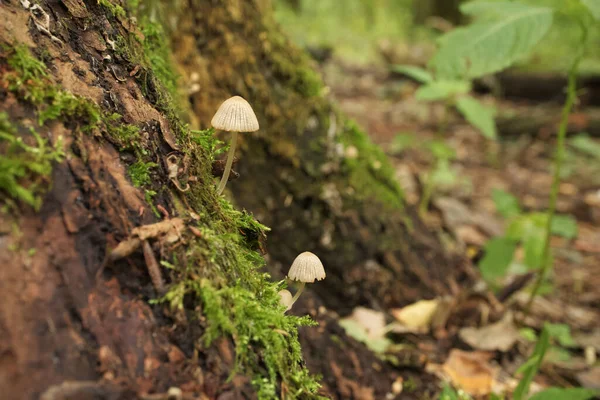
(101, 181)
(309, 173)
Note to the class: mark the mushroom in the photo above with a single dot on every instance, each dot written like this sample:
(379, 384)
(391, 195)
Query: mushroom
(285, 299)
(306, 268)
(234, 115)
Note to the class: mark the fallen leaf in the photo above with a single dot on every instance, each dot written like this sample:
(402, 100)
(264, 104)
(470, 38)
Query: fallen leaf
(367, 326)
(470, 371)
(501, 335)
(372, 321)
(416, 316)
(590, 379)
(591, 339)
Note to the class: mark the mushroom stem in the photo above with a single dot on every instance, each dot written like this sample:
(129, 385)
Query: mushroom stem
(298, 293)
(225, 176)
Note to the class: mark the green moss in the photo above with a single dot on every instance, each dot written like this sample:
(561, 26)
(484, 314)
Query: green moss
(25, 169)
(126, 136)
(207, 140)
(139, 172)
(159, 56)
(63, 104)
(28, 67)
(239, 301)
(294, 67)
(29, 79)
(115, 9)
(371, 174)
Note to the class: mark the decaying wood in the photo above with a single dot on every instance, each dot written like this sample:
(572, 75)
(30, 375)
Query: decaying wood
(544, 121)
(542, 87)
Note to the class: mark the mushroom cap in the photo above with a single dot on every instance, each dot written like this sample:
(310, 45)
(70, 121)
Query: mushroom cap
(306, 268)
(235, 115)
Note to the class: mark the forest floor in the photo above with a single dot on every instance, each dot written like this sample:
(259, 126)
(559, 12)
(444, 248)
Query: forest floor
(481, 347)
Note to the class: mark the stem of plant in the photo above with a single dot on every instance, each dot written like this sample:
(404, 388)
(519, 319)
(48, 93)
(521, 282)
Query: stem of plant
(298, 293)
(441, 132)
(228, 164)
(558, 160)
(427, 191)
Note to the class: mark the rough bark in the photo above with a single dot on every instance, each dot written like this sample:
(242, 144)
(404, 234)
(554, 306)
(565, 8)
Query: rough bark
(309, 173)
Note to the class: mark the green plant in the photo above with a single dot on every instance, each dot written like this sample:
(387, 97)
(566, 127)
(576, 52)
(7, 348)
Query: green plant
(139, 172)
(530, 368)
(585, 22)
(527, 229)
(561, 334)
(453, 93)
(441, 175)
(25, 168)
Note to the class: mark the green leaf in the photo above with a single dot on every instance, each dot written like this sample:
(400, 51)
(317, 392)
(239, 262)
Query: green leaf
(533, 246)
(565, 226)
(358, 332)
(528, 334)
(443, 175)
(478, 115)
(523, 224)
(562, 333)
(442, 90)
(499, 253)
(416, 73)
(565, 394)
(506, 204)
(584, 144)
(440, 150)
(505, 33)
(448, 393)
(403, 141)
(594, 7)
(532, 367)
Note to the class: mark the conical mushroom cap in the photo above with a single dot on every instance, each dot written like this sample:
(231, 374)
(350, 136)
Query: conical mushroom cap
(235, 115)
(306, 268)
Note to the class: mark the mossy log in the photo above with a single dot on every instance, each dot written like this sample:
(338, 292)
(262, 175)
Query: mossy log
(101, 180)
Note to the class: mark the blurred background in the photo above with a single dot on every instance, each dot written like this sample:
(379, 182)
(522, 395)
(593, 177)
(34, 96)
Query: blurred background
(363, 32)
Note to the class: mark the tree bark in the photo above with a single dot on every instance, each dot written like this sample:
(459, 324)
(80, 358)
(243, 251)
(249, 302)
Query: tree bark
(309, 173)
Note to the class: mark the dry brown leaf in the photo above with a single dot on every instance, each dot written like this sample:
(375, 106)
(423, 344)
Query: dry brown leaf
(501, 335)
(590, 379)
(470, 371)
(416, 316)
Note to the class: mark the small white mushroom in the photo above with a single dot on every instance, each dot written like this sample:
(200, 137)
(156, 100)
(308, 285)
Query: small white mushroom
(285, 299)
(305, 269)
(234, 115)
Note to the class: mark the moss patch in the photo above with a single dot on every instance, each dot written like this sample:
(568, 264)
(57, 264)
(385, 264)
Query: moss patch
(25, 168)
(371, 174)
(115, 9)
